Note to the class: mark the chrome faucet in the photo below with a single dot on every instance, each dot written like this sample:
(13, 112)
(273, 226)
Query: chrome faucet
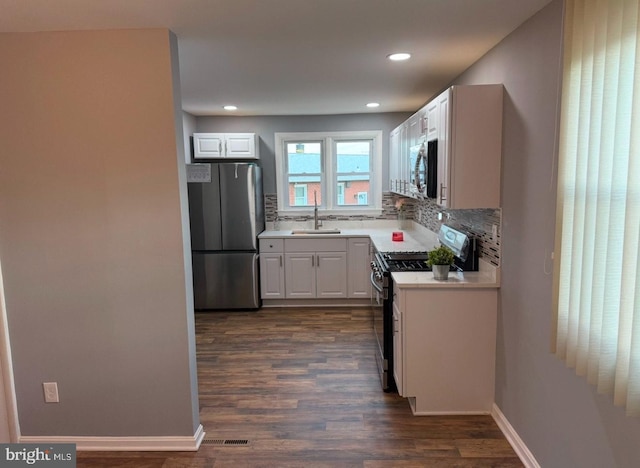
(316, 222)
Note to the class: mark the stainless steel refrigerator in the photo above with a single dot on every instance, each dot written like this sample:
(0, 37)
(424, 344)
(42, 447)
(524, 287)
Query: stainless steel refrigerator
(226, 215)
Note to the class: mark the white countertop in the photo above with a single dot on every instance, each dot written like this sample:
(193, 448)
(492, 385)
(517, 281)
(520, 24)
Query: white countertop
(488, 277)
(418, 238)
(380, 232)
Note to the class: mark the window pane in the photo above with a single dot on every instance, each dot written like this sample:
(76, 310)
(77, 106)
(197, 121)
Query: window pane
(304, 158)
(353, 156)
(304, 163)
(300, 194)
(353, 162)
(340, 193)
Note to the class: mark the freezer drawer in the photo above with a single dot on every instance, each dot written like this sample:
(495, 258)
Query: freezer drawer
(225, 280)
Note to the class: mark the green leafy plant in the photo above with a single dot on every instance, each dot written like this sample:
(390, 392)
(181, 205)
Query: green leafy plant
(442, 255)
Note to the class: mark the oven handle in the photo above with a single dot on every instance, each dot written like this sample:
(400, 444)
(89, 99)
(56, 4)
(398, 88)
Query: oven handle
(374, 283)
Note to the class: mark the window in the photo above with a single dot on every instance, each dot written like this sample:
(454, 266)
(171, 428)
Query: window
(597, 282)
(340, 171)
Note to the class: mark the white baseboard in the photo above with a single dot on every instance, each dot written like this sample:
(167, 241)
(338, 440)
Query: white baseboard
(525, 455)
(469, 412)
(124, 444)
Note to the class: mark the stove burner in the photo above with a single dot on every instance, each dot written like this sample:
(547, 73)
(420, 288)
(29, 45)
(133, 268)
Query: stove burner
(409, 265)
(405, 255)
(405, 261)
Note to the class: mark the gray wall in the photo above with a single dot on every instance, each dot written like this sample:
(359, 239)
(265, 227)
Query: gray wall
(265, 127)
(93, 233)
(559, 415)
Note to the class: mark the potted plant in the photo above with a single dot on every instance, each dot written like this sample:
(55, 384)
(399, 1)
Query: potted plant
(440, 259)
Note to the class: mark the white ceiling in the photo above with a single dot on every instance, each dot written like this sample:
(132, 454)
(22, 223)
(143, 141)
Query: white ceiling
(296, 57)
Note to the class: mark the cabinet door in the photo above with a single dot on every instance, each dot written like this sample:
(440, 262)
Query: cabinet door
(271, 276)
(331, 274)
(444, 142)
(240, 145)
(475, 147)
(359, 268)
(403, 167)
(394, 160)
(414, 129)
(208, 145)
(432, 120)
(300, 275)
(398, 358)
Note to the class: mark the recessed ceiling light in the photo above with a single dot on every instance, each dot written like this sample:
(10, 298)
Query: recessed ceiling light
(230, 108)
(373, 104)
(399, 56)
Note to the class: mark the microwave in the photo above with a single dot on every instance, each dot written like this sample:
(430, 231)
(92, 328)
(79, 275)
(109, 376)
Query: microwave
(423, 164)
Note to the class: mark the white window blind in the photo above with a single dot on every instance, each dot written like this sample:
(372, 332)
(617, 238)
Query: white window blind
(597, 285)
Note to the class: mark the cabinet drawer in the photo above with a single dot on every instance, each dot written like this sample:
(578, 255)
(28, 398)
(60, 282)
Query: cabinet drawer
(315, 245)
(271, 245)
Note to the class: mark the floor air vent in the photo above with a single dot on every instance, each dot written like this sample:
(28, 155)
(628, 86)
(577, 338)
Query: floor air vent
(226, 442)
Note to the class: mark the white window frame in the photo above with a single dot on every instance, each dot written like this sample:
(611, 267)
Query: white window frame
(329, 163)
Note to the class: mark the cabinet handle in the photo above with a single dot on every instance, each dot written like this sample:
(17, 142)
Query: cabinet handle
(313, 258)
(318, 262)
(280, 257)
(395, 328)
(220, 147)
(442, 198)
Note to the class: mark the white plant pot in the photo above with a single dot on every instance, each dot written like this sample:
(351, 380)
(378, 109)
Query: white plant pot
(440, 272)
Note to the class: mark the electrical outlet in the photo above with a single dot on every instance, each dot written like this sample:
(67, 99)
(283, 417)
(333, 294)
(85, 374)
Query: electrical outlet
(50, 392)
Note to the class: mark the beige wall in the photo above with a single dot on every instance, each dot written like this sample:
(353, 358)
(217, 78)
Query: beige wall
(92, 234)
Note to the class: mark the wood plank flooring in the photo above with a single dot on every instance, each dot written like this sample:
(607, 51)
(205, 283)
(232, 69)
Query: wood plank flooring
(299, 388)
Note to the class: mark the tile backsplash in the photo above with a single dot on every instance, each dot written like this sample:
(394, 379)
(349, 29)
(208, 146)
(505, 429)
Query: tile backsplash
(480, 222)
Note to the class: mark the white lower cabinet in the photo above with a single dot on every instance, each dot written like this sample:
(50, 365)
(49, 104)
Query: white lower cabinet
(272, 275)
(300, 275)
(444, 348)
(318, 274)
(271, 268)
(315, 268)
(359, 267)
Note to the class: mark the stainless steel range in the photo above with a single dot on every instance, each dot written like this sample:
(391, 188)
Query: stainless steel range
(383, 264)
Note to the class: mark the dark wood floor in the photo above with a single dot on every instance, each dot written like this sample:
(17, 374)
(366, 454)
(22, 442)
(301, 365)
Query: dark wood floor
(299, 388)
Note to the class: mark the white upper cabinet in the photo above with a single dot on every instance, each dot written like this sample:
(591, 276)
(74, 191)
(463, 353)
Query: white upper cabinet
(431, 120)
(394, 160)
(466, 121)
(225, 145)
(469, 146)
(399, 160)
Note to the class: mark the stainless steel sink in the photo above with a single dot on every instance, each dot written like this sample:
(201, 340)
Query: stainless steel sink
(315, 231)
